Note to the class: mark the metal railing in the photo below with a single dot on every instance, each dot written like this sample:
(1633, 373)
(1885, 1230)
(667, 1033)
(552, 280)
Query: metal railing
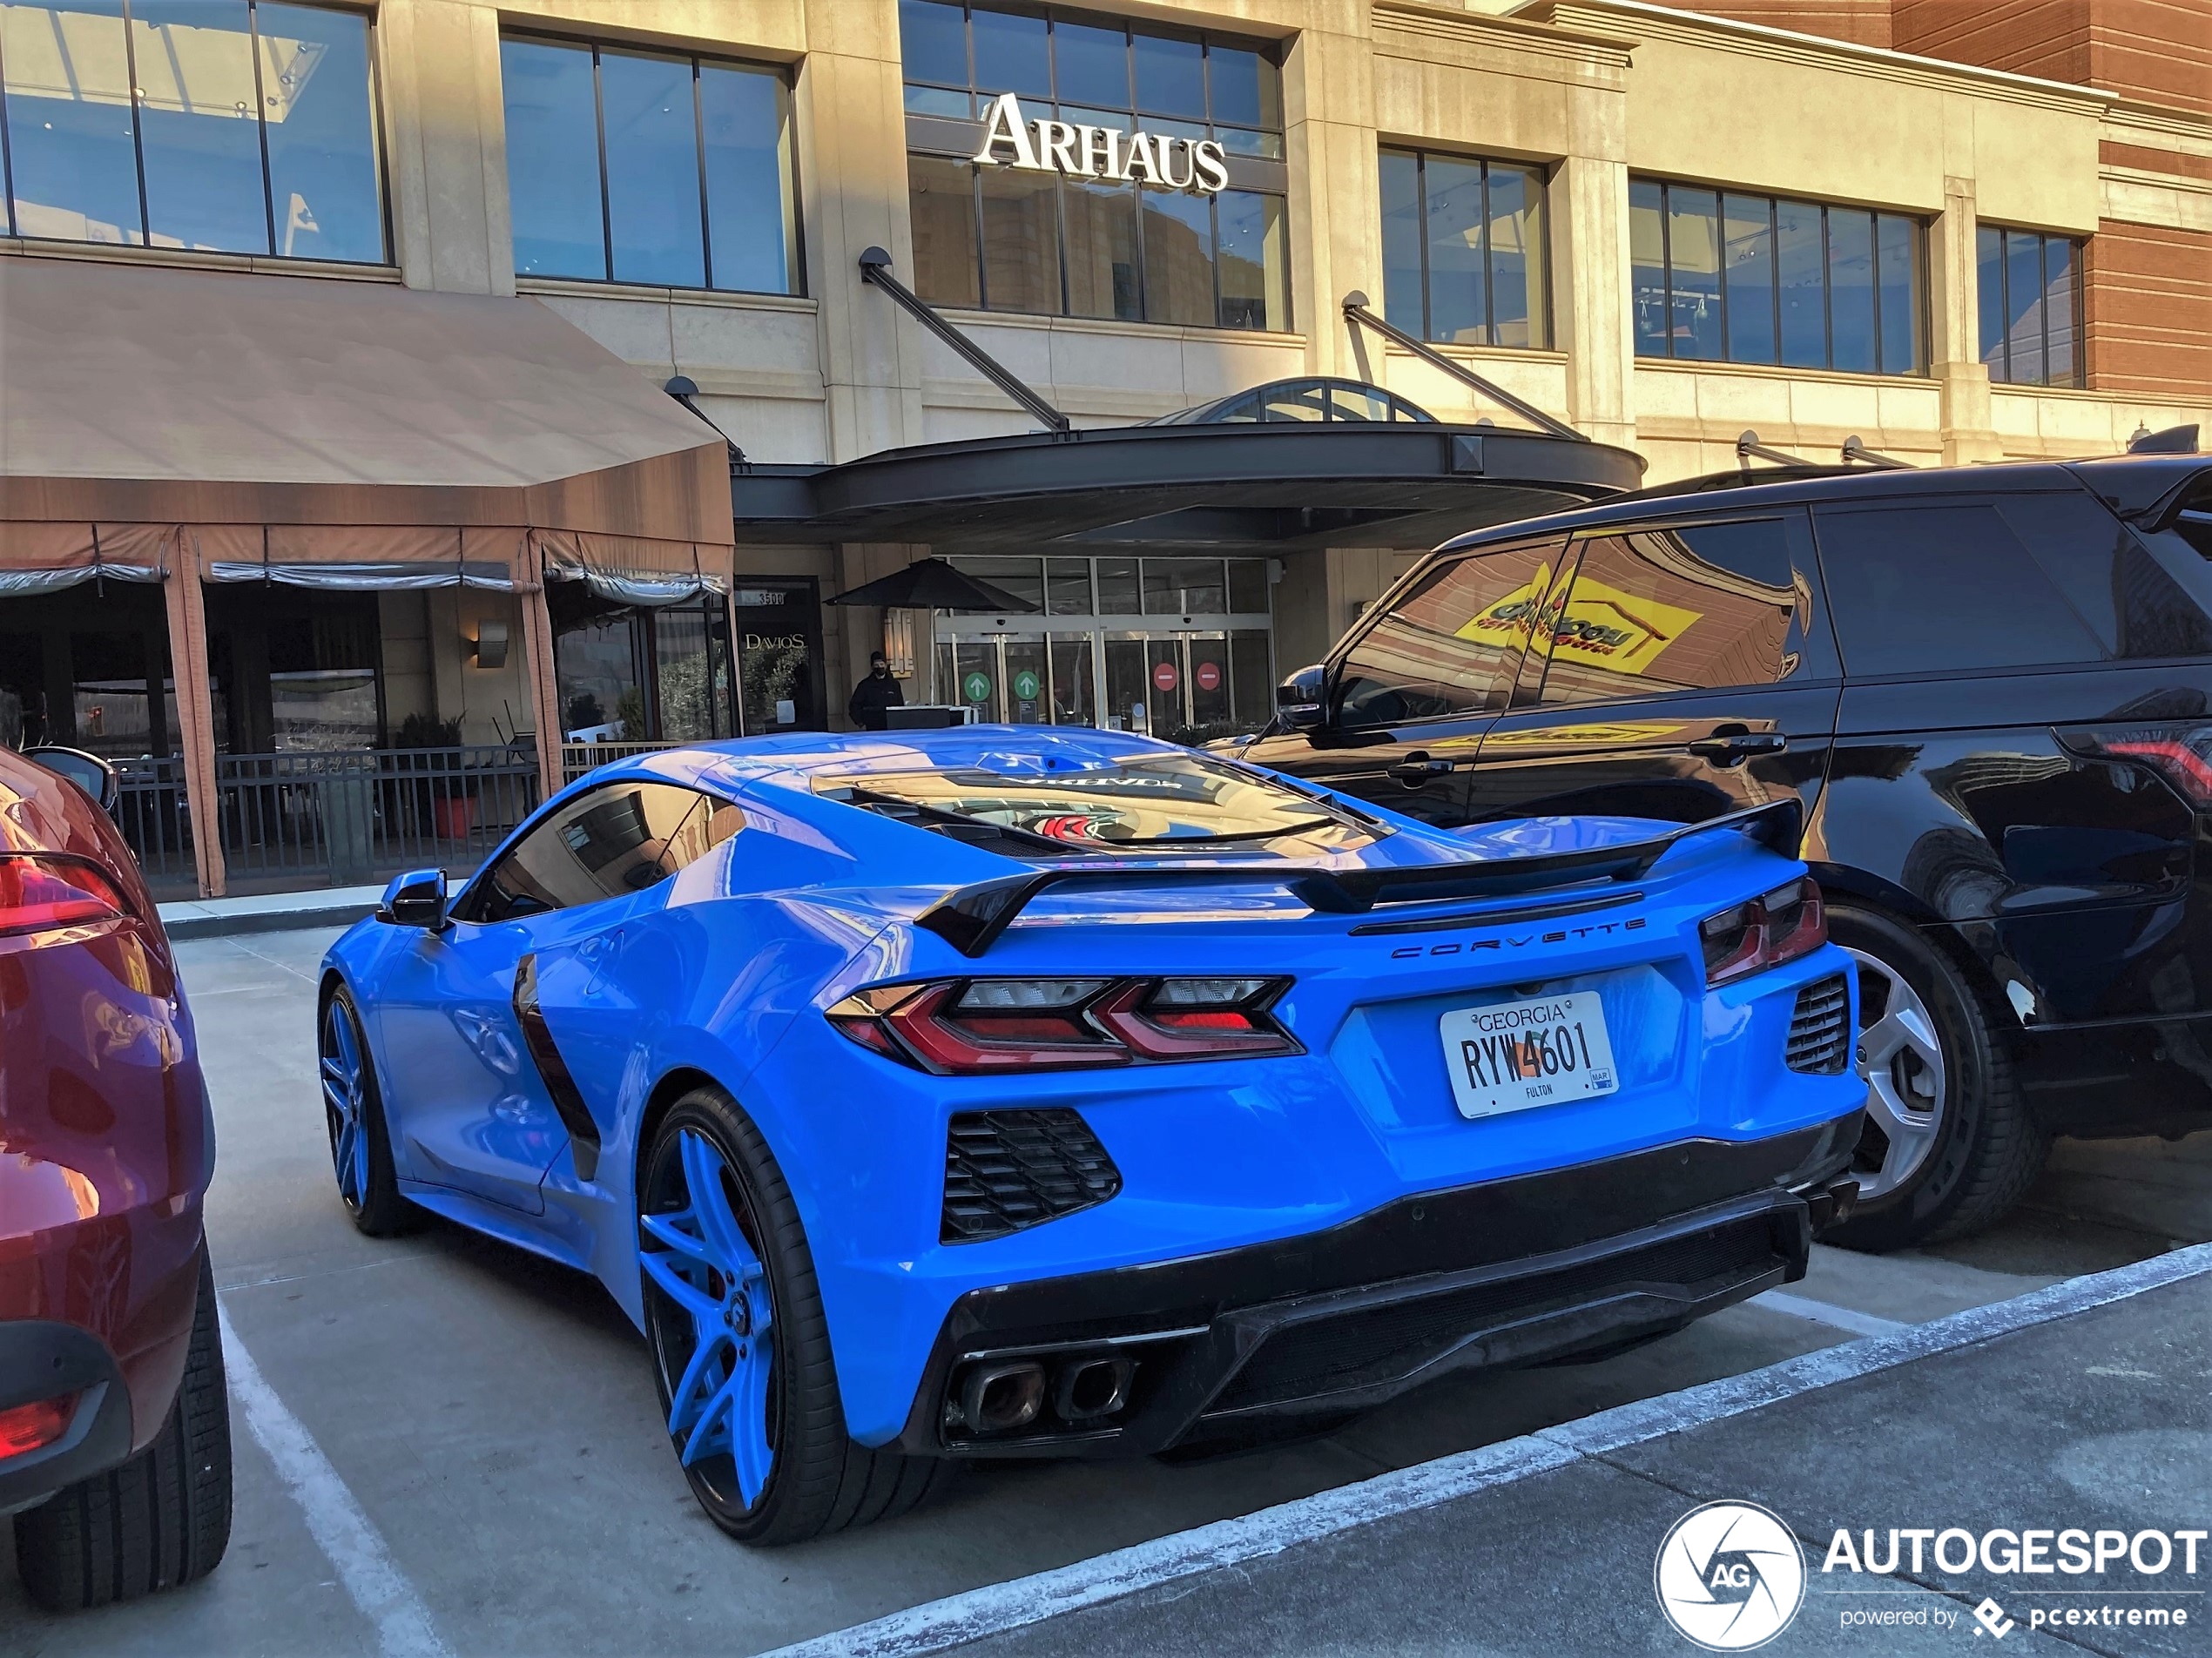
(576, 759)
(151, 810)
(348, 816)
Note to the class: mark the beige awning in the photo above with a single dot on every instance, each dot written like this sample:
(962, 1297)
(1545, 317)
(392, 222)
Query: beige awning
(137, 394)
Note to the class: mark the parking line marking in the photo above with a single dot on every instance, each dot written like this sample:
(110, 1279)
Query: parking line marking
(1821, 1312)
(335, 1518)
(998, 1608)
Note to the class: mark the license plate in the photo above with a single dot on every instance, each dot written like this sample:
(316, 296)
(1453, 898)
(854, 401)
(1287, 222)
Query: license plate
(1514, 1055)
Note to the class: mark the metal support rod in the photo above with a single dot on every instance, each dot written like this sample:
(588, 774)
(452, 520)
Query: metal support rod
(875, 267)
(684, 389)
(1855, 450)
(1749, 448)
(1356, 312)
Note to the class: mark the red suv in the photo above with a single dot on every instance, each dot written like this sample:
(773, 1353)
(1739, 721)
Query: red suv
(115, 1450)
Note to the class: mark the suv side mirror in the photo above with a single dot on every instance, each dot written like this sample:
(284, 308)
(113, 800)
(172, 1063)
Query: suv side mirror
(1301, 701)
(417, 898)
(88, 771)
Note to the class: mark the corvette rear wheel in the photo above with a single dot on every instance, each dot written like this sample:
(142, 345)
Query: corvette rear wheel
(361, 1148)
(741, 1349)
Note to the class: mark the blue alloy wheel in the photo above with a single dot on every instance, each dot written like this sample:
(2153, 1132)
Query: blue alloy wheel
(697, 1256)
(345, 1087)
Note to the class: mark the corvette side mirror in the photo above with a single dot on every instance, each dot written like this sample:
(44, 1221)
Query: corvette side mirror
(417, 898)
(1302, 700)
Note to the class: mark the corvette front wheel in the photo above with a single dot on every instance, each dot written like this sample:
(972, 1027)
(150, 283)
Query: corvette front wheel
(740, 1347)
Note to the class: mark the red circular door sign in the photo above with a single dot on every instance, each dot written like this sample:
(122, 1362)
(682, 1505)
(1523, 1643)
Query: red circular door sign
(1163, 676)
(1209, 675)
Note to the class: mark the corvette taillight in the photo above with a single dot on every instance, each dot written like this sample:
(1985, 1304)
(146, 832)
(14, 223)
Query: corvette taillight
(971, 1026)
(1770, 929)
(41, 892)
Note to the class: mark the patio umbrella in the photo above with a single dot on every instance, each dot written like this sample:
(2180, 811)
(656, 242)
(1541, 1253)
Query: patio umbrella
(931, 584)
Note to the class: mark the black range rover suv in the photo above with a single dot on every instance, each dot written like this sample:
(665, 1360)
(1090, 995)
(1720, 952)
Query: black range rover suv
(1991, 686)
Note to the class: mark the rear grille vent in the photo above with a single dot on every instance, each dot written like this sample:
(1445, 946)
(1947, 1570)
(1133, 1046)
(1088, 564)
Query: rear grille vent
(1382, 1344)
(1820, 1030)
(1007, 1170)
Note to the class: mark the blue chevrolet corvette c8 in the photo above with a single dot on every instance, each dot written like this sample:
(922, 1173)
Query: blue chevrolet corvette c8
(1002, 1092)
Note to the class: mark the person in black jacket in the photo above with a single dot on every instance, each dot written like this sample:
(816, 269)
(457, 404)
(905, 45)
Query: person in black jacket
(874, 694)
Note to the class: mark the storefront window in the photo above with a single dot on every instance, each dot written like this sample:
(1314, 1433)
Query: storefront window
(1722, 277)
(1463, 249)
(249, 126)
(1075, 242)
(631, 166)
(2031, 306)
(640, 674)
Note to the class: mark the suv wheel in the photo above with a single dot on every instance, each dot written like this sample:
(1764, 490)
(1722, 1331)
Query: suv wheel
(162, 1518)
(1950, 1143)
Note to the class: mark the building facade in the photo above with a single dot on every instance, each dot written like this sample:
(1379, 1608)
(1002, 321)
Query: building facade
(1664, 226)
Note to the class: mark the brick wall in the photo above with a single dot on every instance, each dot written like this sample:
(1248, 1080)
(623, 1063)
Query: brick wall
(1863, 23)
(2149, 303)
(2044, 37)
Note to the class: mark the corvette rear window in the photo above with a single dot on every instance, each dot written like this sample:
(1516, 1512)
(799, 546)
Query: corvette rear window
(1142, 800)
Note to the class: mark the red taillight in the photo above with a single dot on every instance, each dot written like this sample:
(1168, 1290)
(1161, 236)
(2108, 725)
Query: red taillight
(970, 1027)
(41, 892)
(1770, 929)
(26, 1428)
(2180, 754)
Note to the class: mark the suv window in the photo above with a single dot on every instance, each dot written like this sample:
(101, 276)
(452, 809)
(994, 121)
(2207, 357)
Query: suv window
(2112, 581)
(618, 839)
(1921, 589)
(1449, 644)
(1681, 607)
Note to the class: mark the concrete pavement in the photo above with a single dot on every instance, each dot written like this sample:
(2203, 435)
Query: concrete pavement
(491, 1419)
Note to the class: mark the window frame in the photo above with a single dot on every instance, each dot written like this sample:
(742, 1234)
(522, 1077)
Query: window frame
(795, 256)
(1541, 312)
(379, 149)
(2000, 370)
(1876, 216)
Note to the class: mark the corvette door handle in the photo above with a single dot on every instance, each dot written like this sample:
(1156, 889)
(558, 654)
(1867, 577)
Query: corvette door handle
(1738, 746)
(1417, 769)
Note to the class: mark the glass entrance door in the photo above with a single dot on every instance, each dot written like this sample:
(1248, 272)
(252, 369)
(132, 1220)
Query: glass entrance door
(1019, 679)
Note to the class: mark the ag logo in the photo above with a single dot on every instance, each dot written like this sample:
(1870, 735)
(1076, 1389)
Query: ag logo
(1729, 1576)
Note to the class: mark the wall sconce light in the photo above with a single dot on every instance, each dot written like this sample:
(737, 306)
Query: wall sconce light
(898, 643)
(489, 646)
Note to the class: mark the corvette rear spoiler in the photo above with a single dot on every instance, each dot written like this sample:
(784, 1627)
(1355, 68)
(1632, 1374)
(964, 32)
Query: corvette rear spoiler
(970, 919)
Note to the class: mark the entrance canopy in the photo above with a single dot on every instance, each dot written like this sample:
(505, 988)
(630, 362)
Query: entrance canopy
(1276, 485)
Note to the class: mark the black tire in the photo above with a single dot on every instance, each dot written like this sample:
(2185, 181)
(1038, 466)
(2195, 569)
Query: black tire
(382, 1213)
(1986, 1146)
(820, 1481)
(162, 1518)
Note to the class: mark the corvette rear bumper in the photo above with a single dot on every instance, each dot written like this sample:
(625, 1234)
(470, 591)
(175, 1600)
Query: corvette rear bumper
(1562, 1263)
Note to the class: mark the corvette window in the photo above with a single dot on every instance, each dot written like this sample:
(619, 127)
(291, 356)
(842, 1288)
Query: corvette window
(1140, 800)
(1449, 645)
(618, 839)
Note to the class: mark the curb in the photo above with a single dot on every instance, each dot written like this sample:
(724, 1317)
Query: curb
(998, 1608)
(219, 927)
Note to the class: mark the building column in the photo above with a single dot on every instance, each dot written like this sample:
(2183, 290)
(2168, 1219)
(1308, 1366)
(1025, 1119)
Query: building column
(1330, 143)
(438, 62)
(528, 563)
(1954, 330)
(1591, 299)
(187, 609)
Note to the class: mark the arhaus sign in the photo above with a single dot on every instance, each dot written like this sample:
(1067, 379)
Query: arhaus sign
(1099, 152)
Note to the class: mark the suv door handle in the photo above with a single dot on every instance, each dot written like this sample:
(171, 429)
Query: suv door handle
(1735, 747)
(1416, 768)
